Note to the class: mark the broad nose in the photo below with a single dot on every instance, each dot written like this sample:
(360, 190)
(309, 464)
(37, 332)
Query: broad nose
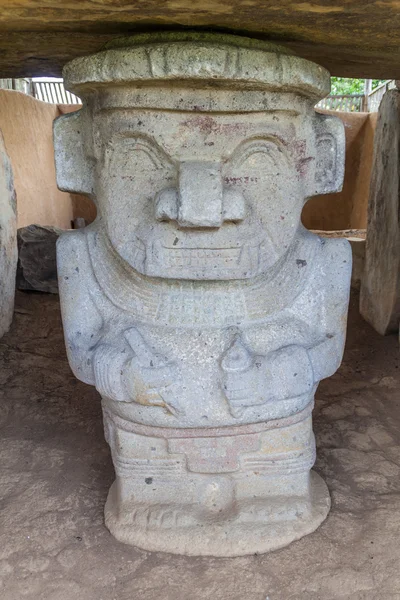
(201, 199)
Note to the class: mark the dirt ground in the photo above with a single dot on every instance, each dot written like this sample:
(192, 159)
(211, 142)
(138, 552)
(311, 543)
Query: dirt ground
(56, 470)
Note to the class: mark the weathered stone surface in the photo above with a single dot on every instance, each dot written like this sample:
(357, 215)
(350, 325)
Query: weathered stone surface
(37, 265)
(380, 289)
(196, 303)
(351, 39)
(8, 240)
(356, 237)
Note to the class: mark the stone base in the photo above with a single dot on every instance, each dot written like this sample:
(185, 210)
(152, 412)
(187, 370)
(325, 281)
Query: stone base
(254, 528)
(225, 491)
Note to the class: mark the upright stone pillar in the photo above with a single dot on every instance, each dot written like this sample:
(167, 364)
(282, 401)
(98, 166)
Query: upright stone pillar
(8, 240)
(196, 303)
(380, 284)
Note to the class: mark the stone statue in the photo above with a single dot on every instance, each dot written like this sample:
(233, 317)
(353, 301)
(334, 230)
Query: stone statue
(8, 240)
(198, 305)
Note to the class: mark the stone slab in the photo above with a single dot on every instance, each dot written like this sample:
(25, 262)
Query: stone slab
(351, 39)
(8, 240)
(380, 289)
(37, 265)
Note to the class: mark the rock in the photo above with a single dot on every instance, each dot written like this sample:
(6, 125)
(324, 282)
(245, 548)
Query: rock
(37, 267)
(198, 305)
(380, 288)
(8, 240)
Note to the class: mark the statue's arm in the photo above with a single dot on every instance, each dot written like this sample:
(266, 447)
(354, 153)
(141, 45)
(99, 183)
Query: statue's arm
(332, 288)
(128, 371)
(92, 359)
(324, 308)
(136, 373)
(81, 319)
(294, 368)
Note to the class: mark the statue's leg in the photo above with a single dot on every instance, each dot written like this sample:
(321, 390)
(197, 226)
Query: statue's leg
(234, 491)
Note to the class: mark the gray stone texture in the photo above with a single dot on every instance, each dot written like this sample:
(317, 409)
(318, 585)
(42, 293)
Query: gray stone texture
(8, 240)
(37, 263)
(380, 288)
(196, 303)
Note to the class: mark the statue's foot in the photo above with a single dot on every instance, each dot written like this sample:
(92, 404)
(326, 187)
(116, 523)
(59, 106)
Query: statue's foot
(211, 529)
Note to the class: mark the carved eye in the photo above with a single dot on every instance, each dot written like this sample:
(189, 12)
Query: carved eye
(136, 156)
(265, 157)
(262, 162)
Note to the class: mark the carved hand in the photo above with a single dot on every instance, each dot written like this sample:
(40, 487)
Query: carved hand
(149, 377)
(251, 380)
(137, 375)
(153, 385)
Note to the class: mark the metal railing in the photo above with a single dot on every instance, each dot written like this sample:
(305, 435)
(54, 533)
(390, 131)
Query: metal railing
(375, 97)
(53, 91)
(23, 85)
(345, 102)
(46, 89)
(357, 102)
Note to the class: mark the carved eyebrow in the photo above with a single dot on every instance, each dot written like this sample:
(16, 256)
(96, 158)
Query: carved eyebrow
(127, 140)
(266, 145)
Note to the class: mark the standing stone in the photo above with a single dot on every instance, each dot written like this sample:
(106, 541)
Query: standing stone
(196, 303)
(380, 288)
(37, 265)
(8, 240)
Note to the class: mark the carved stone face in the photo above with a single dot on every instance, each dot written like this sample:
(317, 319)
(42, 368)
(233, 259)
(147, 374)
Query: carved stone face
(198, 155)
(205, 196)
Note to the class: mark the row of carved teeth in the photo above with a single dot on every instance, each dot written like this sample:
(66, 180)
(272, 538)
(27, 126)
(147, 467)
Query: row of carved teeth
(189, 257)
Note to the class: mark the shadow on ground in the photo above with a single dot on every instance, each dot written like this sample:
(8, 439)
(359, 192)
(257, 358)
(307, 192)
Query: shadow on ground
(56, 471)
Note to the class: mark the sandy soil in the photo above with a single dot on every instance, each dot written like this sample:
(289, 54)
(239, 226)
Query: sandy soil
(56, 470)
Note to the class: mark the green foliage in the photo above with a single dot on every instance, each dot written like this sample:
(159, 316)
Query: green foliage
(342, 85)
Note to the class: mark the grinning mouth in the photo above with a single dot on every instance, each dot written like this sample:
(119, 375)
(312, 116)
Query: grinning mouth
(158, 259)
(235, 262)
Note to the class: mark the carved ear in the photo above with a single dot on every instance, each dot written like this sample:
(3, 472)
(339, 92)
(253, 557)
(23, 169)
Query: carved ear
(329, 158)
(73, 167)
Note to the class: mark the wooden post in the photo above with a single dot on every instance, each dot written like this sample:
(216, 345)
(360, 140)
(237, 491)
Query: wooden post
(367, 91)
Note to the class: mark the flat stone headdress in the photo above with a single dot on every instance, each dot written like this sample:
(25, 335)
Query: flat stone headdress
(215, 60)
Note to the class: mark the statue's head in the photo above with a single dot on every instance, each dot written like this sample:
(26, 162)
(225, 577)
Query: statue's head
(199, 150)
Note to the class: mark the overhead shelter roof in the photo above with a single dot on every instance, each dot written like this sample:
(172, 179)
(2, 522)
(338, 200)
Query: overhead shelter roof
(351, 38)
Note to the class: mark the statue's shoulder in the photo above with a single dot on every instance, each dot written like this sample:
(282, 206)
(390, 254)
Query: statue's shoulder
(73, 256)
(324, 251)
(335, 247)
(333, 263)
(335, 253)
(72, 242)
